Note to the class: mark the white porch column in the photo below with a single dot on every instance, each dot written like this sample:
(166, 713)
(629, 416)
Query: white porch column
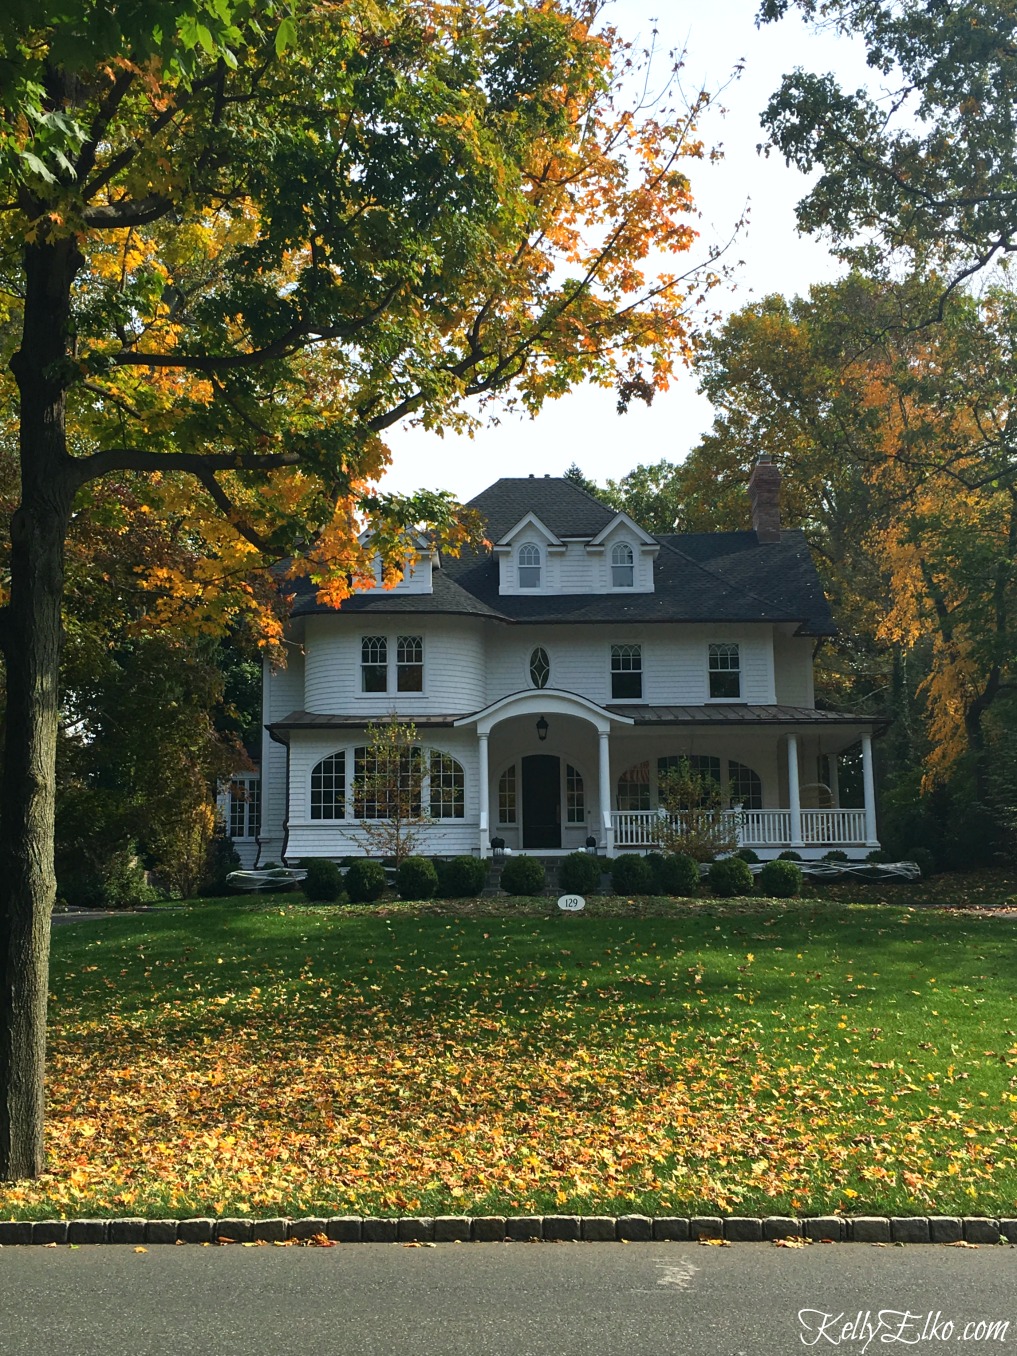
(605, 793)
(793, 793)
(833, 762)
(869, 784)
(485, 795)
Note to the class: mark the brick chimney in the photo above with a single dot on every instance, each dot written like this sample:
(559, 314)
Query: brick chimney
(764, 495)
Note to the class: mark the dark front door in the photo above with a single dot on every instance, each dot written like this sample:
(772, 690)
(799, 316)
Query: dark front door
(541, 801)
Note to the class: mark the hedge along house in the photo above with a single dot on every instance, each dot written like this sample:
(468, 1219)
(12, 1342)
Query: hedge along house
(553, 677)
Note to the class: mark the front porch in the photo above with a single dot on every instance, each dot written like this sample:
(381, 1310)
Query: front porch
(557, 771)
(766, 831)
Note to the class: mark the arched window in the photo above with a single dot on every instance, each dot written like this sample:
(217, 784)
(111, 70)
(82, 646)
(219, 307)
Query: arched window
(575, 798)
(387, 787)
(529, 566)
(540, 667)
(447, 793)
(745, 787)
(328, 787)
(622, 566)
(507, 796)
(634, 788)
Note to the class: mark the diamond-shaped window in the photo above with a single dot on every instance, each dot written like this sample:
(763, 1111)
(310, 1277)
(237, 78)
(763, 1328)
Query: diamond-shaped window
(540, 667)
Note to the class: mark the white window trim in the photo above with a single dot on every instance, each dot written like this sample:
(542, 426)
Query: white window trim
(632, 645)
(541, 567)
(352, 820)
(391, 673)
(623, 588)
(741, 699)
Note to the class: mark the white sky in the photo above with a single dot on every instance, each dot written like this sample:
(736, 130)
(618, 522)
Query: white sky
(584, 426)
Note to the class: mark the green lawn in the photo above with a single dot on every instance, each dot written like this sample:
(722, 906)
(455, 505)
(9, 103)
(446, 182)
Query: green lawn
(750, 1057)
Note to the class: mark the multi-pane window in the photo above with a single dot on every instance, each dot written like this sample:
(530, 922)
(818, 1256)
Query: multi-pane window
(702, 764)
(622, 566)
(575, 800)
(409, 664)
(374, 664)
(626, 671)
(328, 787)
(245, 807)
(540, 667)
(529, 566)
(634, 788)
(725, 671)
(447, 787)
(744, 787)
(507, 796)
(387, 788)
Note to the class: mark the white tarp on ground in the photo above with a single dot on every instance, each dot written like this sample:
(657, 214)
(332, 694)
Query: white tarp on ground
(279, 878)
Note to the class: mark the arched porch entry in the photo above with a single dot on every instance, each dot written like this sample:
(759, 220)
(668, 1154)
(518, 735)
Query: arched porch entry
(545, 771)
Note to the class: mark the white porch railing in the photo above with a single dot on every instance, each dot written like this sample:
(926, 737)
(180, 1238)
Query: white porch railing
(756, 828)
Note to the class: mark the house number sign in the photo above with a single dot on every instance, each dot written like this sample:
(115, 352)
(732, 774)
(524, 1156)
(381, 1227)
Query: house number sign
(572, 903)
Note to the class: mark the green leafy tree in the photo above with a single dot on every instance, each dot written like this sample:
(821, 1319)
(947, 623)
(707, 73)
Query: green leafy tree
(694, 823)
(241, 241)
(930, 166)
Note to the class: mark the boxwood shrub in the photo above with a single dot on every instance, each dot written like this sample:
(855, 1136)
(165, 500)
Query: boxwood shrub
(522, 876)
(730, 876)
(630, 875)
(578, 873)
(324, 882)
(789, 855)
(461, 878)
(676, 874)
(781, 880)
(747, 854)
(416, 878)
(365, 881)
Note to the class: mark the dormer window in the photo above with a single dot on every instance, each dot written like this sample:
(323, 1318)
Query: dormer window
(529, 566)
(622, 566)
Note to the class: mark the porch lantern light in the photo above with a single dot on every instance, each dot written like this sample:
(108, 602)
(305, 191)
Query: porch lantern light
(497, 848)
(542, 728)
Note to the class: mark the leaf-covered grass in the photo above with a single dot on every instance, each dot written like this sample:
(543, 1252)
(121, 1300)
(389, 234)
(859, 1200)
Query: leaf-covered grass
(752, 1057)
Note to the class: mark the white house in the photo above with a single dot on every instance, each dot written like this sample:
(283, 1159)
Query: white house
(553, 676)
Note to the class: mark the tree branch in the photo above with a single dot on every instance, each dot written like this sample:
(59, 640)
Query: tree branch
(193, 463)
(228, 509)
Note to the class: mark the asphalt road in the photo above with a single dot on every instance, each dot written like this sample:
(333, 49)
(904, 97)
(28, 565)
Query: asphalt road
(503, 1300)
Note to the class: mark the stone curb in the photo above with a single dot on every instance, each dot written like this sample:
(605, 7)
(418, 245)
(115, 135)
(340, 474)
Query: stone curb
(418, 1230)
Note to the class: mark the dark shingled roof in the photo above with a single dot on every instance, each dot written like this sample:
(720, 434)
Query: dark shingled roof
(709, 577)
(561, 506)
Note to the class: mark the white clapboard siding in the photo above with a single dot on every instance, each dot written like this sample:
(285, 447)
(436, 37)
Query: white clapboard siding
(792, 661)
(454, 678)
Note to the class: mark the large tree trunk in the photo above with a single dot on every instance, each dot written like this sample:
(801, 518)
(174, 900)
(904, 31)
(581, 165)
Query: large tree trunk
(31, 644)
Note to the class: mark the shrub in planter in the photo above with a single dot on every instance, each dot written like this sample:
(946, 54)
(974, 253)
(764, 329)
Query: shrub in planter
(461, 878)
(789, 855)
(324, 882)
(747, 854)
(416, 878)
(365, 881)
(676, 874)
(835, 855)
(522, 876)
(730, 876)
(630, 875)
(781, 880)
(578, 873)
